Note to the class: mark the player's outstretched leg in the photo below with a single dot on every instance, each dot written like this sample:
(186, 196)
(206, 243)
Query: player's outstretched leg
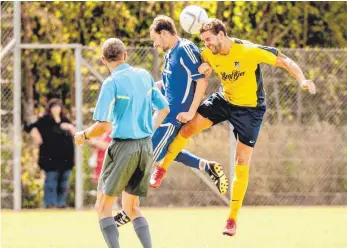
(216, 173)
(157, 176)
(214, 169)
(196, 125)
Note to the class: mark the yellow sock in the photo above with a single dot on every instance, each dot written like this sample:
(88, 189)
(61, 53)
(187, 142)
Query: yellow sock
(240, 183)
(174, 149)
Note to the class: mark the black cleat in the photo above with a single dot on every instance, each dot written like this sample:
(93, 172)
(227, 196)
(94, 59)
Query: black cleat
(215, 171)
(121, 218)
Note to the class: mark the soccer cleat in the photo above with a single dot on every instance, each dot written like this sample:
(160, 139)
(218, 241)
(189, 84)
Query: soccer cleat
(230, 228)
(215, 171)
(157, 177)
(121, 218)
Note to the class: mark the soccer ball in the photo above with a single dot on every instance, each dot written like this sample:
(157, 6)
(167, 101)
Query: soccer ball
(191, 18)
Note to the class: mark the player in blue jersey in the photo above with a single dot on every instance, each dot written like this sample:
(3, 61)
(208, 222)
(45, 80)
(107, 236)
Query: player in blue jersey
(184, 87)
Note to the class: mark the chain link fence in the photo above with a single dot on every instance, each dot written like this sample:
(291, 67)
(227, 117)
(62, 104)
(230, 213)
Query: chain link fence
(300, 157)
(6, 22)
(6, 82)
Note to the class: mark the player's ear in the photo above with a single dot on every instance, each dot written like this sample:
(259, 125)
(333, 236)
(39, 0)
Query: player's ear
(221, 35)
(125, 55)
(103, 60)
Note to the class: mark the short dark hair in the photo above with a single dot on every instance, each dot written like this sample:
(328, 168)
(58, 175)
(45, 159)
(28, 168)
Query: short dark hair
(113, 49)
(163, 22)
(214, 26)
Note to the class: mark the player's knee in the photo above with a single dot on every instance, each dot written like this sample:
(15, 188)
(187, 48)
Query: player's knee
(103, 208)
(137, 203)
(241, 160)
(129, 209)
(132, 208)
(97, 208)
(188, 131)
(243, 157)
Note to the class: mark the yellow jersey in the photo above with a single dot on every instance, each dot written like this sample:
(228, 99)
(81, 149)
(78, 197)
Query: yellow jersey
(240, 73)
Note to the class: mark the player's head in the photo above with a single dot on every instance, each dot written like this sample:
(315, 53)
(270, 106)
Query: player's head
(212, 34)
(113, 50)
(162, 32)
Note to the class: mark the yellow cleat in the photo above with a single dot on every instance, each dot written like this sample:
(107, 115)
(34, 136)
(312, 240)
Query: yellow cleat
(215, 171)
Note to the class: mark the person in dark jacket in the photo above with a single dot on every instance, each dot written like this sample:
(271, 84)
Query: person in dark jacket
(53, 132)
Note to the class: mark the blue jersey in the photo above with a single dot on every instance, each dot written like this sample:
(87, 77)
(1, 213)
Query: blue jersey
(179, 75)
(126, 99)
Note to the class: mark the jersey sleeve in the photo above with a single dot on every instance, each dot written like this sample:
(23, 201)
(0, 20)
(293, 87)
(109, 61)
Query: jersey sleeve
(191, 60)
(158, 100)
(239, 41)
(106, 102)
(265, 54)
(39, 124)
(65, 119)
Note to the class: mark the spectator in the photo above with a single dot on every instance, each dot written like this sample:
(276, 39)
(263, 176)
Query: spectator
(53, 132)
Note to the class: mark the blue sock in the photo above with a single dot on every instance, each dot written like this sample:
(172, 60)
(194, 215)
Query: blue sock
(189, 159)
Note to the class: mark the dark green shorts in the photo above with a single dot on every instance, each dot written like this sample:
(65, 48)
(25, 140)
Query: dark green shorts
(127, 166)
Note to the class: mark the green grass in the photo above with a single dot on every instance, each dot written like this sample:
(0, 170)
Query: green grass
(259, 227)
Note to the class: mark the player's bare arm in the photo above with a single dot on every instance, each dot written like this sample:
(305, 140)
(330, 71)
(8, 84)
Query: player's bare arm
(201, 85)
(159, 117)
(288, 64)
(35, 134)
(68, 127)
(98, 144)
(159, 84)
(206, 69)
(97, 129)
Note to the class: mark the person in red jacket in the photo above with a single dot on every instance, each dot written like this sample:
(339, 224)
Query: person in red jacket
(100, 146)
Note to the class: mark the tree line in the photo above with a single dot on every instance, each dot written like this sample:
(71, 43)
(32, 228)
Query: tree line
(281, 24)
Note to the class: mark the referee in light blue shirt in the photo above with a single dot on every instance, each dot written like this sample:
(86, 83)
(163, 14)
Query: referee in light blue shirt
(125, 106)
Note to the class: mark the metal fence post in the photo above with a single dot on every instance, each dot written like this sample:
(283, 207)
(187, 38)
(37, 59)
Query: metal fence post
(156, 72)
(299, 94)
(277, 98)
(79, 126)
(17, 138)
(232, 143)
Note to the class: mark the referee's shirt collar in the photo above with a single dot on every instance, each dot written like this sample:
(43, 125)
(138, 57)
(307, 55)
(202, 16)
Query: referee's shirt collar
(121, 67)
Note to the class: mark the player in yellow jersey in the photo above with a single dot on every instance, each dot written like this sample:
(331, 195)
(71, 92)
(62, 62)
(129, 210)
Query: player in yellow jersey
(242, 101)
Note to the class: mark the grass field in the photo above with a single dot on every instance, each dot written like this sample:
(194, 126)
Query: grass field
(259, 227)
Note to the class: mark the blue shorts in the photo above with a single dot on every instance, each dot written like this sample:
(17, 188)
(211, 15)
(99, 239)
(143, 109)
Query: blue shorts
(246, 120)
(162, 138)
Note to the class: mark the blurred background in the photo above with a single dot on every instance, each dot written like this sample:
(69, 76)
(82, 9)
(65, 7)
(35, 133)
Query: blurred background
(52, 50)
